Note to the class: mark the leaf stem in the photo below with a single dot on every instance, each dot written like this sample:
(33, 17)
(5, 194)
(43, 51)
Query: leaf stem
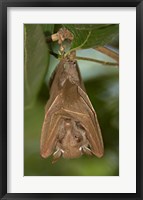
(97, 61)
(87, 59)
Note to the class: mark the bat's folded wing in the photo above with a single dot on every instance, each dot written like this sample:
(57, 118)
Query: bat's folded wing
(80, 109)
(50, 129)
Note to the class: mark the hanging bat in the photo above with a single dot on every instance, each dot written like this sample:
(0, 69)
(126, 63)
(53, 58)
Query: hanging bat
(70, 127)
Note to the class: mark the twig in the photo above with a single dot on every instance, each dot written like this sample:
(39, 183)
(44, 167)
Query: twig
(87, 59)
(97, 61)
(109, 53)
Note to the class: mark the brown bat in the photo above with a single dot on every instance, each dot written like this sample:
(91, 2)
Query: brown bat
(70, 127)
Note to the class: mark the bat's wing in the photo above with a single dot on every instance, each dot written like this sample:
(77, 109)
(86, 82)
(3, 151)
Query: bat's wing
(79, 107)
(92, 114)
(71, 103)
(50, 128)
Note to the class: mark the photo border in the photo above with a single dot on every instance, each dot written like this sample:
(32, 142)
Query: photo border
(3, 97)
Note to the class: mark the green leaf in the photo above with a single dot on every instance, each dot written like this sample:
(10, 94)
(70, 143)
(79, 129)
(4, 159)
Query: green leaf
(36, 58)
(92, 35)
(48, 28)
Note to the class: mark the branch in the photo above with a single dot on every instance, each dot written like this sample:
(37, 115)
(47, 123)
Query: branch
(97, 61)
(108, 52)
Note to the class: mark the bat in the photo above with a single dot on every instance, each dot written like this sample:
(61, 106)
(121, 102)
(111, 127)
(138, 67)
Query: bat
(70, 128)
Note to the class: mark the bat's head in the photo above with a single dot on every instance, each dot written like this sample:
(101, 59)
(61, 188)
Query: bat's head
(72, 141)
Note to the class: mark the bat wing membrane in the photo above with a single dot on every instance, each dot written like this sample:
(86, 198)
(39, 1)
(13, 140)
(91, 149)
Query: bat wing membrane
(50, 128)
(80, 108)
(91, 113)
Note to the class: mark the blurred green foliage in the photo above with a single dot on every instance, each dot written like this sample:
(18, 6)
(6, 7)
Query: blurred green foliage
(102, 86)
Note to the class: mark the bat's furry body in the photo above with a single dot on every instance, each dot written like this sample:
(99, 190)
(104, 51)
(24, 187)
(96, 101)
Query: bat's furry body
(70, 126)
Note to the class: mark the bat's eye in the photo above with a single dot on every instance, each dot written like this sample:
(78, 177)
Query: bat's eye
(67, 119)
(78, 139)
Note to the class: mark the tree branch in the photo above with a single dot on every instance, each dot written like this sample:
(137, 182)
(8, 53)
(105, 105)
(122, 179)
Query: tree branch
(97, 61)
(108, 52)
